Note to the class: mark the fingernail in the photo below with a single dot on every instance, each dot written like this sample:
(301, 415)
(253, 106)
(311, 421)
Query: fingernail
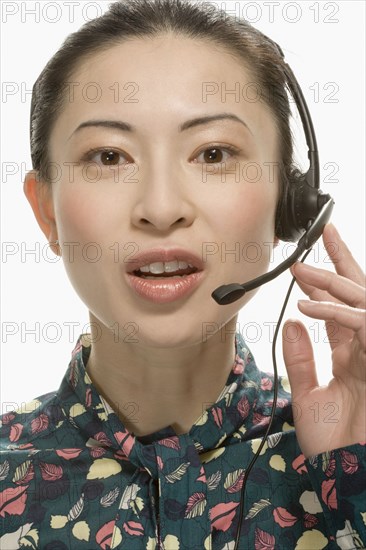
(305, 267)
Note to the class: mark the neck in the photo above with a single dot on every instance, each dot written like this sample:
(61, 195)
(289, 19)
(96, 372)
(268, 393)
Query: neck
(151, 388)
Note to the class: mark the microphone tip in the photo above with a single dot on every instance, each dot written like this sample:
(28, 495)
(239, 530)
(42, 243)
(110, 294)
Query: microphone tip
(227, 294)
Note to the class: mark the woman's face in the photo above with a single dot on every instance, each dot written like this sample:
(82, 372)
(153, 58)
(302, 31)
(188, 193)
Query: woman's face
(163, 186)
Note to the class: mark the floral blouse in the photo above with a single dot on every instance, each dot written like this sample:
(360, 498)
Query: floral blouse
(73, 477)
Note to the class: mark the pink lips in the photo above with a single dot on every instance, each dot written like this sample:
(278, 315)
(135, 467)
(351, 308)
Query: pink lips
(166, 289)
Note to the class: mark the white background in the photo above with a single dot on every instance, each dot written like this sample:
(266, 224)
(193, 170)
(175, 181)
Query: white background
(319, 53)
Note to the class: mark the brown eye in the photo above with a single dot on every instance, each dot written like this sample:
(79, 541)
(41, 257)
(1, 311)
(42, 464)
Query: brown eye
(217, 154)
(110, 158)
(213, 155)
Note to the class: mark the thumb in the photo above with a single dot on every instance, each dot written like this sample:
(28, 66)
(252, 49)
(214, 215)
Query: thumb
(299, 357)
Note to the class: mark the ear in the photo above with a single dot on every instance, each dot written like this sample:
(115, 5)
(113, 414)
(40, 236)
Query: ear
(39, 195)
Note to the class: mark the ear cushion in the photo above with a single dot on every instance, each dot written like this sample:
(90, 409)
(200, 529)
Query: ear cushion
(300, 205)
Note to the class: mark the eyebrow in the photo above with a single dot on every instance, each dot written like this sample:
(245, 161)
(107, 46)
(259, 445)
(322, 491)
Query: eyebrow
(125, 127)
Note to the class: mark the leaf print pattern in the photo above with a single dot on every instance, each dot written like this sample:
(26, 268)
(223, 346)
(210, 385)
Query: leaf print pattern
(73, 477)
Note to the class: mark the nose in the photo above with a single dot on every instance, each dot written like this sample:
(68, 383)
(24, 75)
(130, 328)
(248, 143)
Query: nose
(163, 201)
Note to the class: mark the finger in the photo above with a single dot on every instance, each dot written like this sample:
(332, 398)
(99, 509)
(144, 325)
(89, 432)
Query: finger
(346, 316)
(338, 286)
(341, 256)
(299, 358)
(313, 292)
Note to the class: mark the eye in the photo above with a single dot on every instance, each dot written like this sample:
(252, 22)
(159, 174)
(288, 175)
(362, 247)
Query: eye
(215, 154)
(108, 157)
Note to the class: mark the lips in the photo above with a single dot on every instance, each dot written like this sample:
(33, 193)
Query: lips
(163, 255)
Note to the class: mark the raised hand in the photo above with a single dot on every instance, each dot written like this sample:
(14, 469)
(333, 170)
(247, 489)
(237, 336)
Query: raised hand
(332, 416)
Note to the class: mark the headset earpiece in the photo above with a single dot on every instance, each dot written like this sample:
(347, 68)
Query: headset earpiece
(300, 206)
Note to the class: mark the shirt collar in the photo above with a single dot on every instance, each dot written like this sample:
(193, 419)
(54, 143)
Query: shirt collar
(219, 424)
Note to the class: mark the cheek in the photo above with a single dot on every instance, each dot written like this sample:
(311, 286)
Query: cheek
(82, 215)
(247, 212)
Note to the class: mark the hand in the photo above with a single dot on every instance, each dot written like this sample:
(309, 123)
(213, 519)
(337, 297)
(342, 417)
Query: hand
(332, 416)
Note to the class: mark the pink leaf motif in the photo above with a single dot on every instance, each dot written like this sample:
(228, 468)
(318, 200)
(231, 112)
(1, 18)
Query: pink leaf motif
(243, 407)
(202, 477)
(126, 440)
(193, 505)
(263, 540)
(102, 438)
(266, 383)
(50, 472)
(217, 414)
(88, 398)
(133, 528)
(222, 515)
(26, 446)
(310, 520)
(97, 452)
(260, 419)
(39, 423)
(329, 494)
(28, 474)
(331, 467)
(15, 432)
(299, 464)
(7, 418)
(238, 484)
(281, 402)
(349, 462)
(283, 517)
(238, 367)
(68, 454)
(12, 501)
(160, 462)
(170, 442)
(104, 535)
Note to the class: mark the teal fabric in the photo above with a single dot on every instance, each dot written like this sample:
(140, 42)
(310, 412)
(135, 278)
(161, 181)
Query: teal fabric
(73, 477)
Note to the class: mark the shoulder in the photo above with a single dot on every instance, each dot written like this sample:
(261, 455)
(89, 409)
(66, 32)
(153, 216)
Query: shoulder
(27, 426)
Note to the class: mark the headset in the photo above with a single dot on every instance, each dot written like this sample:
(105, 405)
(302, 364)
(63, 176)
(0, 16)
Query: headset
(306, 212)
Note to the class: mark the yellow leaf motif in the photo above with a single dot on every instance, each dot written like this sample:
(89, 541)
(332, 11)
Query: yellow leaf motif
(151, 543)
(137, 505)
(257, 507)
(202, 419)
(208, 543)
(57, 522)
(178, 473)
(286, 384)
(81, 531)
(363, 515)
(313, 539)
(232, 480)
(21, 471)
(255, 445)
(211, 455)
(277, 463)
(117, 537)
(286, 427)
(310, 502)
(77, 409)
(171, 543)
(26, 408)
(33, 534)
(103, 467)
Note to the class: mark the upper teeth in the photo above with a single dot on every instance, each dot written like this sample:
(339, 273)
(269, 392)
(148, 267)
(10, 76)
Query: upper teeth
(161, 267)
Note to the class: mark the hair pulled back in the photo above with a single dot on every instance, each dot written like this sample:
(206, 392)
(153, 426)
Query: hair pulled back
(128, 19)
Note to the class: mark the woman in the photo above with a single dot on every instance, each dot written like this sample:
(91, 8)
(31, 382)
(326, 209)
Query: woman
(135, 176)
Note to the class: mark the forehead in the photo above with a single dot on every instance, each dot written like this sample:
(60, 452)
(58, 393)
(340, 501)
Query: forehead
(164, 78)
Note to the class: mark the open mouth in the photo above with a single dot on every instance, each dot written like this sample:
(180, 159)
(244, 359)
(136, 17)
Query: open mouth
(165, 275)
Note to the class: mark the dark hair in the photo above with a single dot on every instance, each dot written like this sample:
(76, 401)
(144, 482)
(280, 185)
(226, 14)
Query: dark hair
(148, 18)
